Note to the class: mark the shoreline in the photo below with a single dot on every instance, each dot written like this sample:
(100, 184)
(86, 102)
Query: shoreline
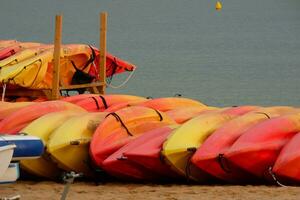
(118, 190)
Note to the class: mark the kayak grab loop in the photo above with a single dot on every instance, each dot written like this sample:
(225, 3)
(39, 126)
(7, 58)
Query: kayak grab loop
(160, 116)
(118, 118)
(223, 163)
(96, 102)
(274, 177)
(103, 101)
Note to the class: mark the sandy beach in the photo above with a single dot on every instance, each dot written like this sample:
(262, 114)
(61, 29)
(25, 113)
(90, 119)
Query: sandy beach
(87, 190)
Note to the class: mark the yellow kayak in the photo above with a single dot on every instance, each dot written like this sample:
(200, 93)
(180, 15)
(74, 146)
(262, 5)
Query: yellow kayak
(22, 55)
(43, 127)
(36, 71)
(185, 140)
(77, 53)
(28, 72)
(69, 144)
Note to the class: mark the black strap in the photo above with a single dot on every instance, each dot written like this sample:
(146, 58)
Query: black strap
(90, 60)
(160, 116)
(103, 101)
(118, 118)
(264, 114)
(96, 102)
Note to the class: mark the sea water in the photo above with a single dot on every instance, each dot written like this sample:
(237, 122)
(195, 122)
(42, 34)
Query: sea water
(247, 53)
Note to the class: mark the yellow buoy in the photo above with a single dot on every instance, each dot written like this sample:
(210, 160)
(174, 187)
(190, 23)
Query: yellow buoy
(218, 5)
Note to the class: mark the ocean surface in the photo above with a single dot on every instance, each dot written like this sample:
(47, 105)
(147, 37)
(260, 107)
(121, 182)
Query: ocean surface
(247, 53)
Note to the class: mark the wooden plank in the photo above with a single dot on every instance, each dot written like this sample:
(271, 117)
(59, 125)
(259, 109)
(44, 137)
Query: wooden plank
(102, 63)
(25, 93)
(56, 55)
(89, 85)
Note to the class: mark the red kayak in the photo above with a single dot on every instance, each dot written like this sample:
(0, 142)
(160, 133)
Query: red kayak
(120, 166)
(95, 103)
(8, 51)
(287, 165)
(257, 149)
(171, 103)
(114, 65)
(146, 152)
(181, 115)
(17, 120)
(209, 156)
(121, 127)
(239, 110)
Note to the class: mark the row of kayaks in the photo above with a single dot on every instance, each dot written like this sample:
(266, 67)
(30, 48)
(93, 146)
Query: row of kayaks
(30, 65)
(162, 139)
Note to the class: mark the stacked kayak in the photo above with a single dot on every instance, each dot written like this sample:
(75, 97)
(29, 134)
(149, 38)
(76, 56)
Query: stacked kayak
(30, 65)
(133, 138)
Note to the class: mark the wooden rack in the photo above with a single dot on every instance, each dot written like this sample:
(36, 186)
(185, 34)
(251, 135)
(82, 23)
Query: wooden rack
(55, 92)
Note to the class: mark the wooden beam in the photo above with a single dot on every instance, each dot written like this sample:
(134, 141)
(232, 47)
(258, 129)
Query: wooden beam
(102, 63)
(88, 85)
(26, 92)
(56, 55)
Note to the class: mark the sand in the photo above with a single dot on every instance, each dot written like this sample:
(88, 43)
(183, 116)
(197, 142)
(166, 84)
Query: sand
(87, 190)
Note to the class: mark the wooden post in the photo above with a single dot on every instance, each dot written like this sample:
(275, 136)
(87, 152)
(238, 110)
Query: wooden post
(102, 63)
(56, 56)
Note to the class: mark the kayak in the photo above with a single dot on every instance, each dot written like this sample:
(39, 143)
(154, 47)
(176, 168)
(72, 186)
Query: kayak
(258, 148)
(171, 103)
(68, 145)
(19, 119)
(32, 68)
(120, 127)
(181, 115)
(184, 141)
(209, 156)
(119, 166)
(287, 165)
(104, 102)
(145, 151)
(22, 55)
(43, 127)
